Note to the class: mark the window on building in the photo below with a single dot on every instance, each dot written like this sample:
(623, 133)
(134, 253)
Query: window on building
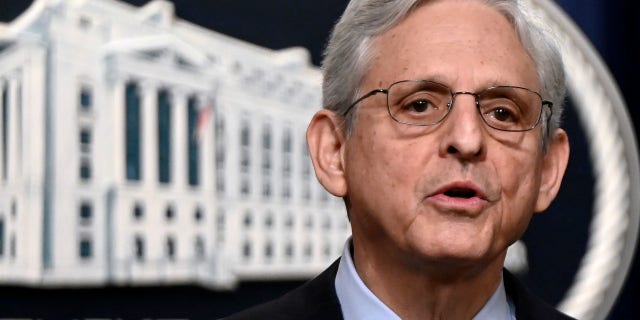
(132, 132)
(309, 222)
(1, 238)
(245, 186)
(85, 140)
(86, 98)
(5, 130)
(266, 187)
(286, 141)
(268, 251)
(327, 223)
(248, 219)
(164, 136)
(246, 250)
(86, 213)
(192, 116)
(220, 225)
(138, 248)
(220, 153)
(84, 23)
(288, 250)
(138, 211)
(286, 153)
(245, 149)
(14, 208)
(286, 189)
(220, 186)
(12, 246)
(199, 248)
(85, 249)
(219, 126)
(266, 136)
(308, 250)
(268, 221)
(198, 215)
(288, 223)
(220, 220)
(266, 160)
(286, 164)
(171, 248)
(266, 148)
(85, 169)
(327, 250)
(306, 173)
(306, 190)
(169, 213)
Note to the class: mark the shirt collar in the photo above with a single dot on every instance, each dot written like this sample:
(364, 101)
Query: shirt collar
(358, 302)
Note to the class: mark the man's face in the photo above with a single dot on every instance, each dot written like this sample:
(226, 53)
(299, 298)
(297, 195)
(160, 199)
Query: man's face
(459, 191)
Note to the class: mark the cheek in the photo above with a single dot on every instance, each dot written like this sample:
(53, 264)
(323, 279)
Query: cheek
(519, 169)
(520, 182)
(376, 154)
(381, 175)
(377, 165)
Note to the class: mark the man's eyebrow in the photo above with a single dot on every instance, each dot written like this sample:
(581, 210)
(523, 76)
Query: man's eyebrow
(432, 77)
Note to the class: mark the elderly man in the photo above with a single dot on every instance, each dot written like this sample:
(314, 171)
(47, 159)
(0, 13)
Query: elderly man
(440, 131)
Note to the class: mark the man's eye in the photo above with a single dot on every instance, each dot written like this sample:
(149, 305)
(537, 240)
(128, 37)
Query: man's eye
(502, 114)
(419, 106)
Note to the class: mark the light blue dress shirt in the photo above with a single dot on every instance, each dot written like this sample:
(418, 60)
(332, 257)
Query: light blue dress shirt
(358, 302)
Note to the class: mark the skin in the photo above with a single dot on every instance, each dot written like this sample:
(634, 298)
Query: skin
(425, 254)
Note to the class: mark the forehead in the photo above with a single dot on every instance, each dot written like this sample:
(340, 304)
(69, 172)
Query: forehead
(455, 42)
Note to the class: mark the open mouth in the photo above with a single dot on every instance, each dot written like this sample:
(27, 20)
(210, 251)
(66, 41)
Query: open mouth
(460, 197)
(463, 193)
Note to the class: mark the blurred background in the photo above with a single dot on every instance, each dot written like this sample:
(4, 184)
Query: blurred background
(612, 26)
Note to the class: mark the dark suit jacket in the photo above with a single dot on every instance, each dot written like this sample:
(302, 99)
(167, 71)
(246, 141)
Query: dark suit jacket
(317, 300)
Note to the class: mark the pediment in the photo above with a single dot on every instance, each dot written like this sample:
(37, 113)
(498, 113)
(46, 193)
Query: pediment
(160, 47)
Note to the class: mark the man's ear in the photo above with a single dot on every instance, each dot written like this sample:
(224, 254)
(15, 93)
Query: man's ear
(326, 139)
(553, 167)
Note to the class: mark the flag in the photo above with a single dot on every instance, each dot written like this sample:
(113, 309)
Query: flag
(205, 113)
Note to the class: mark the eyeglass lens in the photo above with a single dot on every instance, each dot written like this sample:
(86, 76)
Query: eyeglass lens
(427, 103)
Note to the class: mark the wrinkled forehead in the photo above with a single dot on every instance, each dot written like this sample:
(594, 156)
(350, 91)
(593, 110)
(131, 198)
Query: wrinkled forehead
(451, 41)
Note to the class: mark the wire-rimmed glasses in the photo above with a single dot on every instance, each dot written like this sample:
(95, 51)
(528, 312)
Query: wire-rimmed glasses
(426, 103)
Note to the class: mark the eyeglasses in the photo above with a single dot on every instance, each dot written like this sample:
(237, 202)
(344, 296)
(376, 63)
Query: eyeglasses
(426, 103)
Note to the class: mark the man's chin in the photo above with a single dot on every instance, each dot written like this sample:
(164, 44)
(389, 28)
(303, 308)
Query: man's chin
(456, 259)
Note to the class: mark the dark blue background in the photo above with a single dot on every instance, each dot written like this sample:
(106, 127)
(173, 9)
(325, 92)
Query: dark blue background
(613, 26)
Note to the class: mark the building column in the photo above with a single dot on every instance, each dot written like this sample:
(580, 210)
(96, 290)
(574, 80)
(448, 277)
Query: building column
(15, 168)
(206, 158)
(232, 148)
(179, 139)
(3, 130)
(279, 127)
(119, 128)
(149, 133)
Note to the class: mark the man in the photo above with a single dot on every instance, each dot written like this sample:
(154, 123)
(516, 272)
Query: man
(440, 131)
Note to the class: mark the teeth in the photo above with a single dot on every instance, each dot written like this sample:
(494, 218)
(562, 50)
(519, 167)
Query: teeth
(460, 193)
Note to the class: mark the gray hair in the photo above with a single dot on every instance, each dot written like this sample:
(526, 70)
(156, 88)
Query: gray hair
(349, 51)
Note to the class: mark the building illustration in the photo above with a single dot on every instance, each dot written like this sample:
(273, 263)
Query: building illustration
(139, 148)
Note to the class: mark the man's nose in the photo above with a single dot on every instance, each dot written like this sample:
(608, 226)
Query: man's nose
(463, 130)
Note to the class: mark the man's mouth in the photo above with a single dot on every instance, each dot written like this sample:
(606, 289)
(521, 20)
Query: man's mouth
(459, 197)
(464, 193)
